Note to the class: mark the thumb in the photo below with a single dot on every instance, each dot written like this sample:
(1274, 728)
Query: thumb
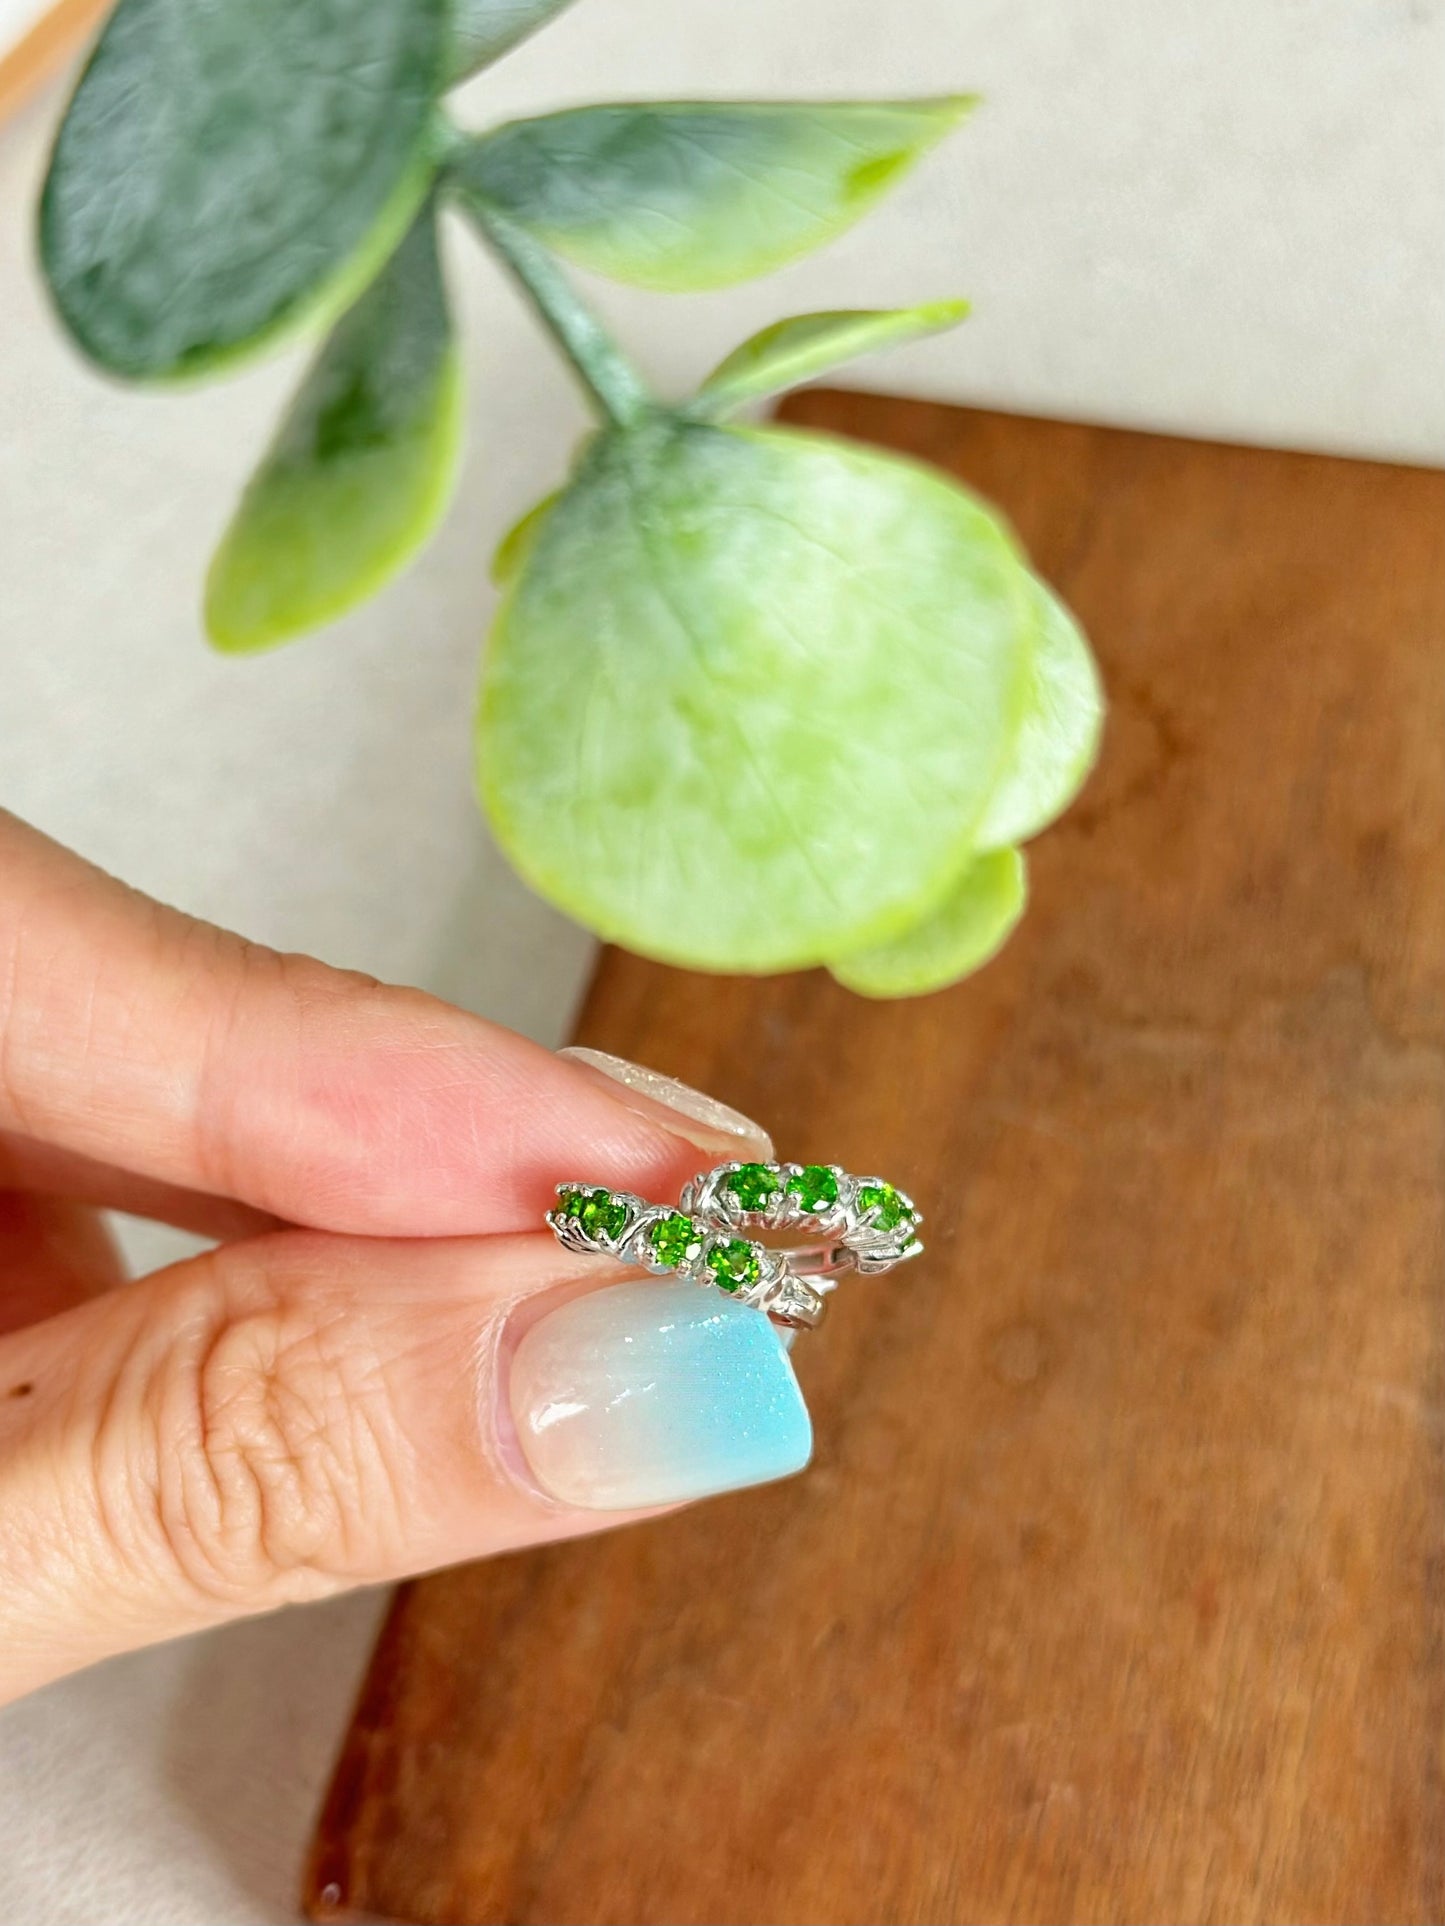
(280, 1419)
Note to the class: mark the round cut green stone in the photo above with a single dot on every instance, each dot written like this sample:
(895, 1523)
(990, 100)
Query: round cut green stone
(754, 1185)
(814, 1186)
(673, 1239)
(735, 1265)
(601, 1215)
(889, 1209)
(569, 1204)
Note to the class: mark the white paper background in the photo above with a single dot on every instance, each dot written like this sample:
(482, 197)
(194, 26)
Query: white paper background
(1225, 217)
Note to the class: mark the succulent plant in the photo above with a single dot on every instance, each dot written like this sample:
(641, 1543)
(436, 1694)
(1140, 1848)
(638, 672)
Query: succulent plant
(753, 699)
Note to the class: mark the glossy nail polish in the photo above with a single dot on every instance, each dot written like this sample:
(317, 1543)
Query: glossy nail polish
(655, 1392)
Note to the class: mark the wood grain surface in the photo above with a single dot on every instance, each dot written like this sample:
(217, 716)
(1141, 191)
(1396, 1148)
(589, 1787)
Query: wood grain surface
(1115, 1591)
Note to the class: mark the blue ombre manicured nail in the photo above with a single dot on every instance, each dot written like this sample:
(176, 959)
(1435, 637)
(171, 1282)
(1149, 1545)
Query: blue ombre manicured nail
(650, 1393)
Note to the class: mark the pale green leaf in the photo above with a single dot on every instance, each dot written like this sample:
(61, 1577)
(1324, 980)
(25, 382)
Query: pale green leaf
(483, 30)
(967, 930)
(808, 345)
(750, 691)
(361, 471)
(964, 933)
(516, 545)
(1059, 739)
(697, 194)
(227, 171)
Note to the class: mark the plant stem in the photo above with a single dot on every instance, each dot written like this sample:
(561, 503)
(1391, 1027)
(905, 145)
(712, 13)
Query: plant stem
(606, 372)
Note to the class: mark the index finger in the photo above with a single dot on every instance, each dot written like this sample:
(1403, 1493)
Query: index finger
(132, 1034)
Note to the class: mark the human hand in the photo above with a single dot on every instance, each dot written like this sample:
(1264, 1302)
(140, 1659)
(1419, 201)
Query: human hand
(327, 1397)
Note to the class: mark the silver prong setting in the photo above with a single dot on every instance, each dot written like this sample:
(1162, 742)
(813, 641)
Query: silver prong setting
(870, 1217)
(864, 1224)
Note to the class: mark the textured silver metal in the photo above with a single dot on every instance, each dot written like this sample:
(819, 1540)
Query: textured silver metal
(787, 1283)
(860, 1244)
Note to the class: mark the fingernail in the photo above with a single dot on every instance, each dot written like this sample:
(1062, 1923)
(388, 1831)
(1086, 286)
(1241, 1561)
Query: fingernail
(651, 1393)
(690, 1113)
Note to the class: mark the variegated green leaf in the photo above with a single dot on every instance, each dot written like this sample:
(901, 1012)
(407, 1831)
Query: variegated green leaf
(361, 471)
(516, 545)
(227, 171)
(749, 691)
(1059, 739)
(967, 930)
(680, 195)
(808, 345)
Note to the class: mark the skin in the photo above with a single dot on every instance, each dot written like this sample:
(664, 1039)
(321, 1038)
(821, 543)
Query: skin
(319, 1401)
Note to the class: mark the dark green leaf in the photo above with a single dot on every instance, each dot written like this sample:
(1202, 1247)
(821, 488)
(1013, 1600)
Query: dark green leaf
(226, 170)
(967, 930)
(483, 30)
(361, 471)
(808, 345)
(680, 195)
(1059, 739)
(749, 692)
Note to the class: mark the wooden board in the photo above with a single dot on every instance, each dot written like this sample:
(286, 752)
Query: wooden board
(1117, 1591)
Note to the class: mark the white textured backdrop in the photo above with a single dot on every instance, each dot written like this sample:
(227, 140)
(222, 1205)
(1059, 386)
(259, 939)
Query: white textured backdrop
(1225, 217)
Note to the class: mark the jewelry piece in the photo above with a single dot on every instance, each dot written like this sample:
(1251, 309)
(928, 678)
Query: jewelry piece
(864, 1224)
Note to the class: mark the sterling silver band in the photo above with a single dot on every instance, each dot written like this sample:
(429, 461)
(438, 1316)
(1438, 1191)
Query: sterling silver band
(868, 1225)
(872, 1225)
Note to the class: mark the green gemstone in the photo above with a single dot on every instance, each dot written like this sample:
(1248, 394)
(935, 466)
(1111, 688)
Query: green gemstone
(814, 1186)
(672, 1238)
(754, 1185)
(601, 1215)
(735, 1265)
(889, 1209)
(569, 1204)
